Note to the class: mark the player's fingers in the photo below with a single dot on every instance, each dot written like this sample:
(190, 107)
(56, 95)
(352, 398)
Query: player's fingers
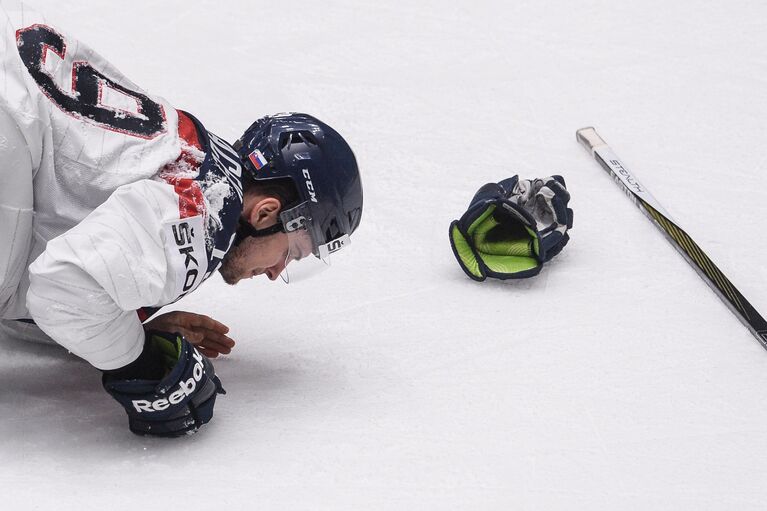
(218, 346)
(219, 338)
(208, 352)
(203, 321)
(190, 335)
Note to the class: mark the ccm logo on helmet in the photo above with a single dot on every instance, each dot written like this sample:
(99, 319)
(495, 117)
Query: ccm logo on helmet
(309, 185)
(185, 388)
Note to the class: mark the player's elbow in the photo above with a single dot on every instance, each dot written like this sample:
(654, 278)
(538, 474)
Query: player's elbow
(81, 316)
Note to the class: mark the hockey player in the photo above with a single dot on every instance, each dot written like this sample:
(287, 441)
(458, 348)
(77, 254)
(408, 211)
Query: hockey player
(114, 204)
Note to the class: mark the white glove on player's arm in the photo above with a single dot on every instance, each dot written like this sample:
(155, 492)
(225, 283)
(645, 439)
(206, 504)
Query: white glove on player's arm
(207, 334)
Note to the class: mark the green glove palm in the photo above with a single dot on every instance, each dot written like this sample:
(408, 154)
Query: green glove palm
(511, 228)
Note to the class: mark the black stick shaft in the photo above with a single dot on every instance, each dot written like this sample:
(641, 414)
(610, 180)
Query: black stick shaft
(694, 255)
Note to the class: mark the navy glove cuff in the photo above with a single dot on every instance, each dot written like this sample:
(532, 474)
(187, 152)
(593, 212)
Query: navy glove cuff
(179, 402)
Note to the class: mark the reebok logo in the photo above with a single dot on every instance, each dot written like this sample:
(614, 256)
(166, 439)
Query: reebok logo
(185, 388)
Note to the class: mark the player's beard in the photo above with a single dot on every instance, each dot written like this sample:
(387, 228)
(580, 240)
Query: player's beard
(233, 266)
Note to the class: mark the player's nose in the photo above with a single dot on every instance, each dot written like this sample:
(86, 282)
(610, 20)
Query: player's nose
(274, 271)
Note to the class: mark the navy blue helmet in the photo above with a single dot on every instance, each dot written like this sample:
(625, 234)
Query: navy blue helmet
(322, 167)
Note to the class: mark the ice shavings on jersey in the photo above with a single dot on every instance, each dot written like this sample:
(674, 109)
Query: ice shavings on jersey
(215, 192)
(183, 174)
(187, 165)
(206, 197)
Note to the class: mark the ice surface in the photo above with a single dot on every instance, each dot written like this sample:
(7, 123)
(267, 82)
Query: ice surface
(614, 380)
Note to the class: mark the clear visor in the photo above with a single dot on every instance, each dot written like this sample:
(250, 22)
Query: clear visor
(300, 263)
(301, 245)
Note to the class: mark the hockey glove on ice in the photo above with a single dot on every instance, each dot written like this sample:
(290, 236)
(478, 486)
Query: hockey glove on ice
(512, 227)
(169, 390)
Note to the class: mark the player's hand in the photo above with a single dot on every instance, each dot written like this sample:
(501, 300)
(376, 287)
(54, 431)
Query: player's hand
(207, 334)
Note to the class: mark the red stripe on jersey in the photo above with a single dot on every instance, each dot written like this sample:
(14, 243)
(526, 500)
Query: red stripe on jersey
(187, 131)
(191, 202)
(190, 198)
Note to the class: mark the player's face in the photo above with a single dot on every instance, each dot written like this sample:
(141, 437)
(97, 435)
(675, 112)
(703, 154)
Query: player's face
(256, 256)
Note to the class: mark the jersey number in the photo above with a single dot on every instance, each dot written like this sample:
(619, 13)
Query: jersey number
(84, 102)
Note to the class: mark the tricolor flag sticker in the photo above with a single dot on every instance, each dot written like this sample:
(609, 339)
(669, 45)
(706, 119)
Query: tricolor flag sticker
(257, 159)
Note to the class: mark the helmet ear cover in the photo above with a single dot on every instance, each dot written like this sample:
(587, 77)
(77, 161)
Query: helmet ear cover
(291, 220)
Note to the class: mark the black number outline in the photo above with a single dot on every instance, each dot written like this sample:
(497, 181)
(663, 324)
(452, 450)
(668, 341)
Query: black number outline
(33, 44)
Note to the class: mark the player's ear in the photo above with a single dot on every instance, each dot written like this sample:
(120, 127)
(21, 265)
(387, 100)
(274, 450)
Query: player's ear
(265, 213)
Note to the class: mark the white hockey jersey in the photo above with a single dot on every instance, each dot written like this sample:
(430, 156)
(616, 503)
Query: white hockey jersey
(135, 203)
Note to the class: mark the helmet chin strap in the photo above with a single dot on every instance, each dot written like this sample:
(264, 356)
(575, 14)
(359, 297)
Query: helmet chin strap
(248, 231)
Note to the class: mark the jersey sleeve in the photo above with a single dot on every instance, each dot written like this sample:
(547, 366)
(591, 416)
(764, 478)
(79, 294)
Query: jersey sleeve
(143, 247)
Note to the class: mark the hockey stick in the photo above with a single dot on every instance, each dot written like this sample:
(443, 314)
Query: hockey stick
(694, 255)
